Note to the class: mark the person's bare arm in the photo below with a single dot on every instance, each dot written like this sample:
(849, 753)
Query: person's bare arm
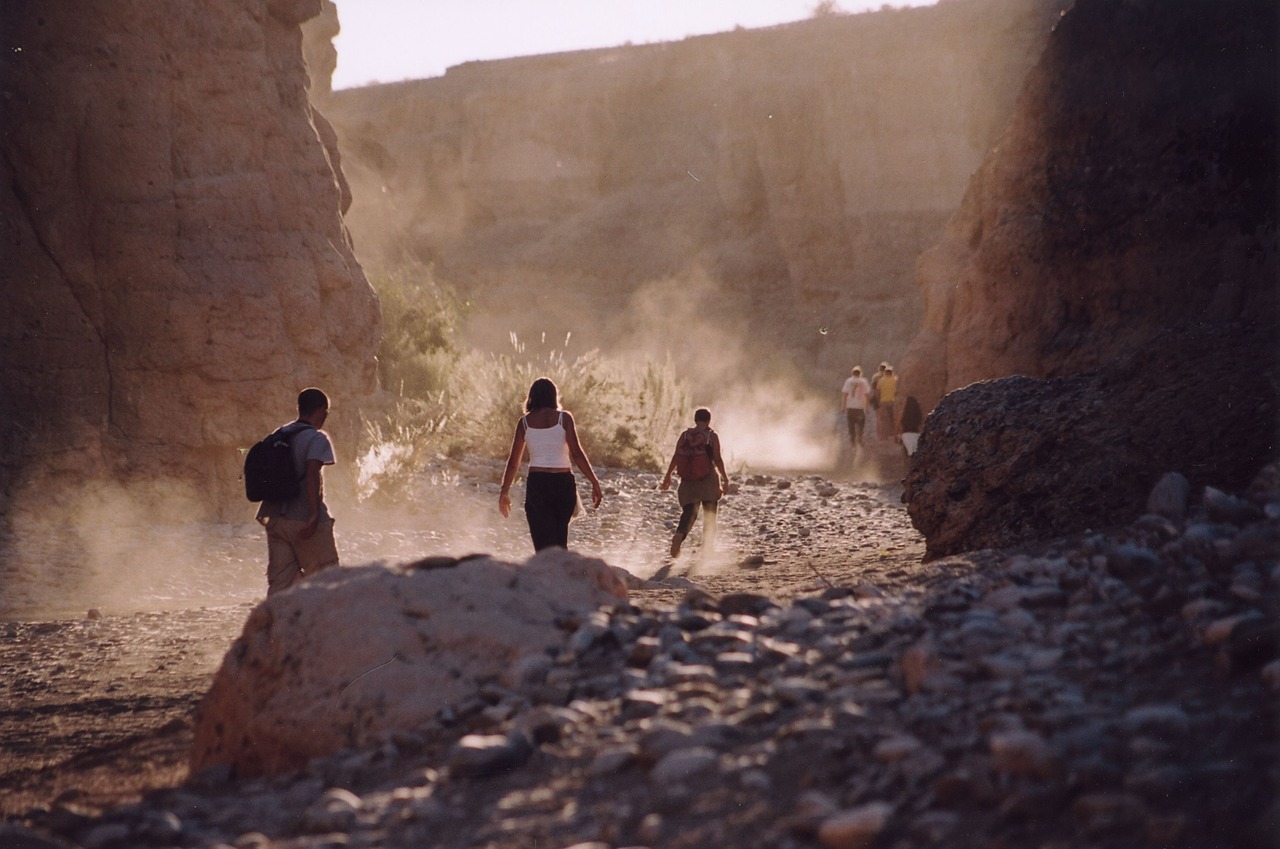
(509, 473)
(719, 461)
(671, 467)
(580, 459)
(311, 486)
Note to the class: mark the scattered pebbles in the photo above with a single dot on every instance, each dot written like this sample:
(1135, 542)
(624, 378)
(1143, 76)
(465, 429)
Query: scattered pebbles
(1112, 689)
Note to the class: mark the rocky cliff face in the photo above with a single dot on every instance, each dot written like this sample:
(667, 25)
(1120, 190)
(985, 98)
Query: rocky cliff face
(1134, 191)
(176, 265)
(1118, 249)
(768, 188)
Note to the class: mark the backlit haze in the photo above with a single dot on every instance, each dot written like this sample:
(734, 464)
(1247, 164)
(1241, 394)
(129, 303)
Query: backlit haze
(110, 550)
(765, 423)
(387, 41)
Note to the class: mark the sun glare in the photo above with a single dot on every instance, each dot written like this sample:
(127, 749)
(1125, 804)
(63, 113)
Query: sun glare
(394, 40)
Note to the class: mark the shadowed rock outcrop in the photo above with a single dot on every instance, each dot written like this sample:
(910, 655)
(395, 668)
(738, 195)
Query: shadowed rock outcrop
(789, 176)
(1009, 461)
(1119, 241)
(175, 261)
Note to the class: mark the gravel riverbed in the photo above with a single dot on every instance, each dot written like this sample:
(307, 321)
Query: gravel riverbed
(811, 683)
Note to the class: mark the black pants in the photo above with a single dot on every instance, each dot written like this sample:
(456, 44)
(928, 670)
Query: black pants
(856, 421)
(690, 512)
(549, 499)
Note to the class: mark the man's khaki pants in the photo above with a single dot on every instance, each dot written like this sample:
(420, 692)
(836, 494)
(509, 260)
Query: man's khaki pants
(290, 558)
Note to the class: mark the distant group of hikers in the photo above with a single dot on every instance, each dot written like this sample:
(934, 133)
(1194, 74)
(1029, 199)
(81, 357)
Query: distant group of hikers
(299, 528)
(871, 411)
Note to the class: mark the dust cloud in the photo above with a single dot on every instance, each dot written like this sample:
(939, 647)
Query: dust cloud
(118, 548)
(767, 411)
(122, 548)
(768, 417)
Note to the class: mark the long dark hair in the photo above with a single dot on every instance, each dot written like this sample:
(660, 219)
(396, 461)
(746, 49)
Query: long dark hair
(542, 393)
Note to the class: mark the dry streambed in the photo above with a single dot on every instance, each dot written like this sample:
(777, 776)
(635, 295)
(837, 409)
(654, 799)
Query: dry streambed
(95, 706)
(1111, 689)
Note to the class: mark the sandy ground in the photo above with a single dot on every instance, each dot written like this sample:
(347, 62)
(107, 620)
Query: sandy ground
(96, 706)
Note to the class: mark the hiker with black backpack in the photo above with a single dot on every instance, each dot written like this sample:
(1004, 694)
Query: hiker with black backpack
(696, 459)
(283, 471)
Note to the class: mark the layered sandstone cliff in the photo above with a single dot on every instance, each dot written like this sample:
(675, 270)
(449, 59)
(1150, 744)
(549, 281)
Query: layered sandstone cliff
(767, 188)
(175, 261)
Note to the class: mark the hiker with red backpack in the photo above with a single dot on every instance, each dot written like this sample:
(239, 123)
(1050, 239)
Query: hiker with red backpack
(696, 459)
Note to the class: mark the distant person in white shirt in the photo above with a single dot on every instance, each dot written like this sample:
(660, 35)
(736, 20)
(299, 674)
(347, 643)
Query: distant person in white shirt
(854, 397)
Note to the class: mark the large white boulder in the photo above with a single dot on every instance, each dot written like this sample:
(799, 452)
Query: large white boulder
(356, 652)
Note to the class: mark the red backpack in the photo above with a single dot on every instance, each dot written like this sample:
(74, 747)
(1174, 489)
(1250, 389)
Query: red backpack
(694, 454)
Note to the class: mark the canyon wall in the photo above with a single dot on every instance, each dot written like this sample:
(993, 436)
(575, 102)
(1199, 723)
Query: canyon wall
(175, 265)
(1133, 192)
(767, 190)
(1115, 263)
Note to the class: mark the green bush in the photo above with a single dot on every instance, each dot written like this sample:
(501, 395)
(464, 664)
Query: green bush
(420, 316)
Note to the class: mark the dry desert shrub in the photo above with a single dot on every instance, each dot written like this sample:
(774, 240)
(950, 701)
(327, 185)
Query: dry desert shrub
(442, 399)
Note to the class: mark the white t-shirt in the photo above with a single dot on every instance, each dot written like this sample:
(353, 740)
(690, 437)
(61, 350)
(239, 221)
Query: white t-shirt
(856, 390)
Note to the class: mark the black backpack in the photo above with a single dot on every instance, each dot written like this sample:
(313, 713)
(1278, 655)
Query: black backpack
(269, 473)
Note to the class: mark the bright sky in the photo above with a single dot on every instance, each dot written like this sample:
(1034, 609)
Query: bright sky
(392, 40)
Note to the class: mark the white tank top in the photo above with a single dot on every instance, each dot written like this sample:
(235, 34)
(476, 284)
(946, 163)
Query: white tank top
(548, 447)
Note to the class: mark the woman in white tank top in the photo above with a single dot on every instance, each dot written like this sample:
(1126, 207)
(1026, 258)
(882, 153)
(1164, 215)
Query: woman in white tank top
(551, 492)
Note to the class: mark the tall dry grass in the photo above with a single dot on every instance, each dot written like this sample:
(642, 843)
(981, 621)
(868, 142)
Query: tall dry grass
(442, 399)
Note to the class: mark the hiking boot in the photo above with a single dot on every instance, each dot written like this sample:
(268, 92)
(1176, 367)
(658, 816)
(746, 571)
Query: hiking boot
(675, 544)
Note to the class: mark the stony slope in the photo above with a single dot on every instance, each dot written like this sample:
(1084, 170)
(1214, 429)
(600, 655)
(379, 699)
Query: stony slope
(1107, 690)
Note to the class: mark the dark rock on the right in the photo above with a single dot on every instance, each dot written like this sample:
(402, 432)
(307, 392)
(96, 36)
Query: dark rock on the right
(1114, 262)
(1008, 461)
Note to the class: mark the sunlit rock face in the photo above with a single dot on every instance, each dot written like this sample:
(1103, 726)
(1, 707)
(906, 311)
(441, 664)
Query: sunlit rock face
(767, 188)
(175, 261)
(319, 51)
(1134, 191)
(1121, 243)
(352, 655)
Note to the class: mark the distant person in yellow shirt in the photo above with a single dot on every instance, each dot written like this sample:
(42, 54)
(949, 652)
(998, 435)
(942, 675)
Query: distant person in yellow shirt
(887, 388)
